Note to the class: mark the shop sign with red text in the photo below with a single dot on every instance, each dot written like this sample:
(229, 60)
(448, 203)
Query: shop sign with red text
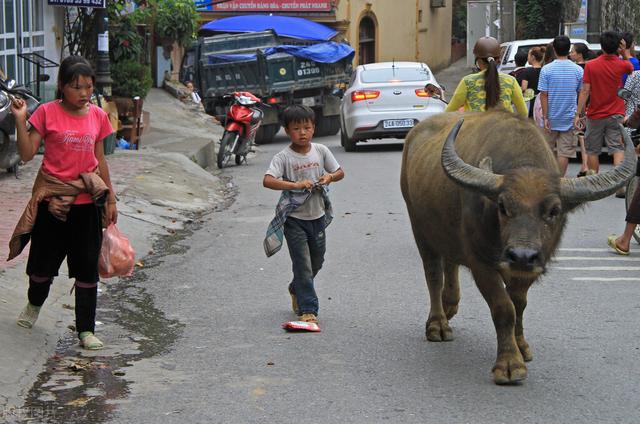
(273, 6)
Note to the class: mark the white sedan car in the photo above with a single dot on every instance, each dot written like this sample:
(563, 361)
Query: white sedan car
(385, 100)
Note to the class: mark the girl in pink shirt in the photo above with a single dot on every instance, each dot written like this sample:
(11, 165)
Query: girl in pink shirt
(72, 129)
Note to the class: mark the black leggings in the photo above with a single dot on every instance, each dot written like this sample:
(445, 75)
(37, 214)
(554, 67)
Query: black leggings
(86, 299)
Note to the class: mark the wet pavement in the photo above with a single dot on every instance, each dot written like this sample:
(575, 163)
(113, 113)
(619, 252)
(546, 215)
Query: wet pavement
(45, 376)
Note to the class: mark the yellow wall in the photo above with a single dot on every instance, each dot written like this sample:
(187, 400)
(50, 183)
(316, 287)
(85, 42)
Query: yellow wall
(398, 34)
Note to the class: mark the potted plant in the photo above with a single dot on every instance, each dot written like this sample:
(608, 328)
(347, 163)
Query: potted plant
(176, 22)
(130, 79)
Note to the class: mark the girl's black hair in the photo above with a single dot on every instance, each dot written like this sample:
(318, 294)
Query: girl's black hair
(71, 68)
(582, 49)
(298, 113)
(491, 83)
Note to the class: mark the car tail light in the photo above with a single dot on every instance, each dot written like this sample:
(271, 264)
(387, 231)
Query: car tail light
(356, 96)
(429, 90)
(272, 100)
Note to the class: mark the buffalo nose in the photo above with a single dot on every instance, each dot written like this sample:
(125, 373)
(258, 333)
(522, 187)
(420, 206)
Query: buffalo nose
(522, 257)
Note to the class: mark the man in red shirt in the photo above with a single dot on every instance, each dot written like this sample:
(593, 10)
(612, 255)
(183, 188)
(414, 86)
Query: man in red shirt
(601, 81)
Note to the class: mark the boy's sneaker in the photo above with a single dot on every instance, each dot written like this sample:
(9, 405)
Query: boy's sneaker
(309, 318)
(28, 316)
(89, 341)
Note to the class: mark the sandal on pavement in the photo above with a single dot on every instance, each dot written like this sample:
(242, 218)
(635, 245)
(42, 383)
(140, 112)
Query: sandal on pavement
(28, 316)
(89, 341)
(611, 241)
(309, 318)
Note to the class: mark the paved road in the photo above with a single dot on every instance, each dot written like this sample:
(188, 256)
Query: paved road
(371, 364)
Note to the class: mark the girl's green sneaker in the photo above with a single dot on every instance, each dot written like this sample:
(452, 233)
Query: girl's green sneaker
(89, 341)
(28, 316)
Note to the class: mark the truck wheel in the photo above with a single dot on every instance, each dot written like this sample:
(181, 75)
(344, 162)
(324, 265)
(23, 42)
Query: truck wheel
(266, 133)
(224, 151)
(333, 125)
(321, 126)
(348, 143)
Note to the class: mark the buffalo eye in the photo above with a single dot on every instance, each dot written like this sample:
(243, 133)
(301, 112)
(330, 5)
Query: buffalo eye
(553, 212)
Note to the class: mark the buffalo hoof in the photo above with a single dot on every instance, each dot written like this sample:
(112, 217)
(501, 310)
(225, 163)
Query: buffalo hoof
(509, 371)
(438, 330)
(525, 350)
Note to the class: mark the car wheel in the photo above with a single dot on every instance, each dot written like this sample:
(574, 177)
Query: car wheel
(348, 143)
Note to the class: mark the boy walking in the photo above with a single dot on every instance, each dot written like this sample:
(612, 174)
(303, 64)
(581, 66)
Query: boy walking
(303, 171)
(601, 81)
(559, 84)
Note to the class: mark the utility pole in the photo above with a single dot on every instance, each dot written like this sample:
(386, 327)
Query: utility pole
(507, 20)
(593, 21)
(103, 68)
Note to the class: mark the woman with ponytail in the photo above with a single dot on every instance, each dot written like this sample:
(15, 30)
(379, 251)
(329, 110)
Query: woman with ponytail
(488, 88)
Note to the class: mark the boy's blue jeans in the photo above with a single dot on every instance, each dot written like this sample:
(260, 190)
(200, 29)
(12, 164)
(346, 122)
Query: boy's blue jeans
(306, 242)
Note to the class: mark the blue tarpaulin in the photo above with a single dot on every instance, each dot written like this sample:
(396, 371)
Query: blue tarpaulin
(329, 52)
(284, 26)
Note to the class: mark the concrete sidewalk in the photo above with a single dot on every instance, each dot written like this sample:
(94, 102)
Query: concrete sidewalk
(160, 188)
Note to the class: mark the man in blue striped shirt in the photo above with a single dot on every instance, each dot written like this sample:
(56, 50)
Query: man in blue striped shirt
(559, 85)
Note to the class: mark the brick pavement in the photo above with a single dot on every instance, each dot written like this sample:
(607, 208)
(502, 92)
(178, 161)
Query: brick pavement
(15, 194)
(124, 168)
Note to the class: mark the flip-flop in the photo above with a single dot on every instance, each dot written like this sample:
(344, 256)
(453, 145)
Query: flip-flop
(611, 241)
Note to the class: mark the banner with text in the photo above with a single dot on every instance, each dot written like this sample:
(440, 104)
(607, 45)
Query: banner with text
(266, 5)
(100, 4)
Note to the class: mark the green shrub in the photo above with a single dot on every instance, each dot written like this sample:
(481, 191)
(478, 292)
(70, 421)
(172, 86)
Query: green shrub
(130, 78)
(177, 20)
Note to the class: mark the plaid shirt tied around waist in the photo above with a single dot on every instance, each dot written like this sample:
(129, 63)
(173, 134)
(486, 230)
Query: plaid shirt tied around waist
(290, 200)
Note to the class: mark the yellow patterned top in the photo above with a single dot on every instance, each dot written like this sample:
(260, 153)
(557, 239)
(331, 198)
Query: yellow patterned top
(470, 94)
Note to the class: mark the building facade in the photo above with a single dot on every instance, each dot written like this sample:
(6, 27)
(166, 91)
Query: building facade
(379, 30)
(30, 26)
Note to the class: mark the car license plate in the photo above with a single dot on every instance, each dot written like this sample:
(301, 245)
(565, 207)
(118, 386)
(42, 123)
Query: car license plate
(397, 123)
(308, 101)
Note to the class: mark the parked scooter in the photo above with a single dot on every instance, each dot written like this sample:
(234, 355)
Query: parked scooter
(241, 124)
(9, 157)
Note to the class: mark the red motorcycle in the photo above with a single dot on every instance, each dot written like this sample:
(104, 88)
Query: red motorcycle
(241, 124)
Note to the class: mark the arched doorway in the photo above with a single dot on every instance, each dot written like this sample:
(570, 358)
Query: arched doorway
(367, 41)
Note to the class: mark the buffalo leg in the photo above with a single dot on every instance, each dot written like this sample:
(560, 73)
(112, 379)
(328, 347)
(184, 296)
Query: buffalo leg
(518, 293)
(451, 293)
(437, 328)
(509, 366)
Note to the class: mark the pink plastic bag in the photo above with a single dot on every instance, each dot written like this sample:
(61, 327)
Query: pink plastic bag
(117, 257)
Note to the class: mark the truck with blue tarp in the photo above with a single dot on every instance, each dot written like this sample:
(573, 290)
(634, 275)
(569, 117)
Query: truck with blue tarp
(277, 61)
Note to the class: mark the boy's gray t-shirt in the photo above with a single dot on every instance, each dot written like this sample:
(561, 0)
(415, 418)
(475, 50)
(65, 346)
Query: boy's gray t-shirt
(291, 166)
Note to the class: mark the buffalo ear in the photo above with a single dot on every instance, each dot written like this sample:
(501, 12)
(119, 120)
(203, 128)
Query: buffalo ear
(486, 163)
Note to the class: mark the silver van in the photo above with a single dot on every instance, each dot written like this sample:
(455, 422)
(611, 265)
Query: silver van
(509, 49)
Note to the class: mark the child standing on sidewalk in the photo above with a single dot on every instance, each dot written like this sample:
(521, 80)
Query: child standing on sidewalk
(71, 192)
(303, 171)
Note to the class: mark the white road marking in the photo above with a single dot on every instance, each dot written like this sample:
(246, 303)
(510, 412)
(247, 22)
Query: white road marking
(598, 268)
(605, 279)
(599, 258)
(585, 249)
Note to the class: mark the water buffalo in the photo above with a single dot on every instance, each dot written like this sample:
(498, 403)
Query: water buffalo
(497, 205)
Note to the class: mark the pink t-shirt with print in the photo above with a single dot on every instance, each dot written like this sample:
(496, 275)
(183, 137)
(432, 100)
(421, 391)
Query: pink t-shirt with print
(69, 141)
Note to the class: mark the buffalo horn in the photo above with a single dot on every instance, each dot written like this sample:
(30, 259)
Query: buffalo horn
(464, 174)
(594, 187)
